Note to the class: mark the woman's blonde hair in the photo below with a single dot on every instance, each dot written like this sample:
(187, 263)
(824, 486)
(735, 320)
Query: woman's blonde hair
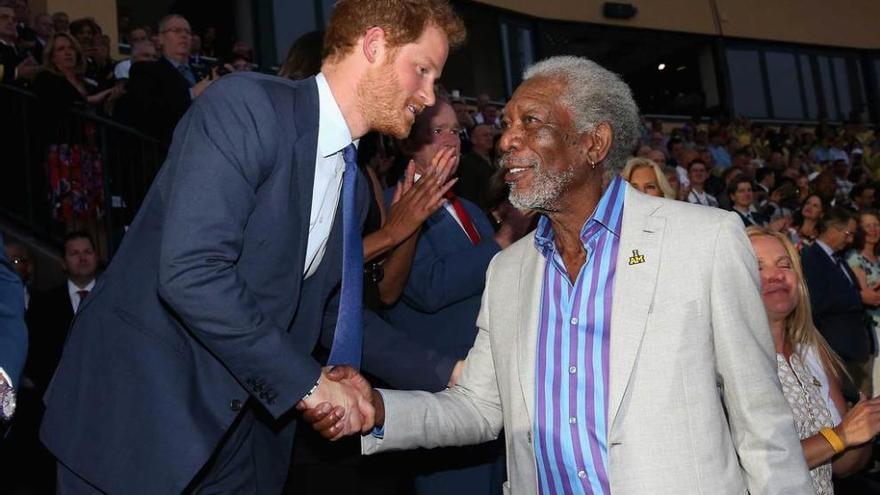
(800, 331)
(638, 162)
(50, 49)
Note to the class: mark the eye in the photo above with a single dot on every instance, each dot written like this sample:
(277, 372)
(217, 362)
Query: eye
(505, 124)
(531, 119)
(423, 71)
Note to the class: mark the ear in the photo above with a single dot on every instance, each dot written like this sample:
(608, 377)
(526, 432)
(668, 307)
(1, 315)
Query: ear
(598, 142)
(374, 44)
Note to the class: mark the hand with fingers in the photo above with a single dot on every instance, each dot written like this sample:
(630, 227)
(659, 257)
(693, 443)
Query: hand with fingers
(414, 201)
(344, 395)
(862, 423)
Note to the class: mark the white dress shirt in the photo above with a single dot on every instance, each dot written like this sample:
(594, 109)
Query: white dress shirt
(333, 137)
(73, 292)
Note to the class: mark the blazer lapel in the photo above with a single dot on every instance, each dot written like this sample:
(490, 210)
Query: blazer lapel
(633, 291)
(531, 284)
(307, 116)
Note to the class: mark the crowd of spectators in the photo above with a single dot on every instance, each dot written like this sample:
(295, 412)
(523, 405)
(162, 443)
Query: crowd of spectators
(814, 186)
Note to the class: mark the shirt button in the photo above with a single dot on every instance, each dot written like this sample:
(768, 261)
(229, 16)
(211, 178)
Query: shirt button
(572, 420)
(572, 369)
(235, 405)
(574, 321)
(582, 474)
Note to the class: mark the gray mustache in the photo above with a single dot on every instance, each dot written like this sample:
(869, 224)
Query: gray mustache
(508, 161)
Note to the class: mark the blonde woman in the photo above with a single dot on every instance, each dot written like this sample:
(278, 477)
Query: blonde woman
(646, 176)
(834, 438)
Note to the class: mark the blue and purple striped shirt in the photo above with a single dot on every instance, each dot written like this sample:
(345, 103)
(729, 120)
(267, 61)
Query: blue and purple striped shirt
(571, 444)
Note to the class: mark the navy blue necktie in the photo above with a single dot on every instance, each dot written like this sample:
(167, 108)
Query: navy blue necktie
(349, 337)
(187, 74)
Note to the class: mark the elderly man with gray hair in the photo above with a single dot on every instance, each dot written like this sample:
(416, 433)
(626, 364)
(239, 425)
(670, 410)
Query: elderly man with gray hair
(623, 346)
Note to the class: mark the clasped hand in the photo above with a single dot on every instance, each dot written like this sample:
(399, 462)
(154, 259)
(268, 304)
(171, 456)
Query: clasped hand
(341, 405)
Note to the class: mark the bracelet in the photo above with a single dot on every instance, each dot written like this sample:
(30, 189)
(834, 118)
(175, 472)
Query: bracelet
(315, 387)
(833, 439)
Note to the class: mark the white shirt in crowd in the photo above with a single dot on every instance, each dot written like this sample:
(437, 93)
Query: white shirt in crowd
(333, 137)
(73, 292)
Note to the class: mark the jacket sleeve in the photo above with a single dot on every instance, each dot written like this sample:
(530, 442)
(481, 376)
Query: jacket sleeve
(13, 333)
(466, 414)
(760, 420)
(440, 278)
(224, 149)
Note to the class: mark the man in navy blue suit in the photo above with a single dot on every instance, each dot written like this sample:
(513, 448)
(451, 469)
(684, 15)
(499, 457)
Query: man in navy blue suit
(441, 300)
(183, 366)
(836, 299)
(13, 335)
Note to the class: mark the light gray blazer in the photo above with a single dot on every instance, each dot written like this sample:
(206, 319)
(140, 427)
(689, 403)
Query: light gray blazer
(695, 406)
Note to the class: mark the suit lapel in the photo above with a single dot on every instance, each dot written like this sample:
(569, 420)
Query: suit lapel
(307, 115)
(531, 284)
(633, 291)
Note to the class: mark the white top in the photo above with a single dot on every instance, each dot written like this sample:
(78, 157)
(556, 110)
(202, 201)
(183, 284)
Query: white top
(333, 137)
(701, 198)
(122, 69)
(72, 290)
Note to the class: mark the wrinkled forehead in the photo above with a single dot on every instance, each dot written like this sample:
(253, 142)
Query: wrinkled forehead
(543, 92)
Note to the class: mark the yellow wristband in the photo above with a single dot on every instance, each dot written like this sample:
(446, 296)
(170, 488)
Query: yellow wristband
(833, 439)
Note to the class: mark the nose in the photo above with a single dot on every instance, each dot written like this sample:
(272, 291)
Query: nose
(772, 274)
(428, 93)
(510, 140)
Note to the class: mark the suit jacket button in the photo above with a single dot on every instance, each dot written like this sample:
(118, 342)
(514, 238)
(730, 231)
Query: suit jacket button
(235, 405)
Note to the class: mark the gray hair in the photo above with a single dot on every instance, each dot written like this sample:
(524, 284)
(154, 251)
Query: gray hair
(595, 95)
(163, 22)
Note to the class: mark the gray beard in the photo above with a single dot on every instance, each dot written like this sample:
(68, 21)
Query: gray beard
(545, 191)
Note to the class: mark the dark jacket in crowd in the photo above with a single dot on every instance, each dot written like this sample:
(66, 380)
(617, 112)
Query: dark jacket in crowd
(158, 97)
(837, 305)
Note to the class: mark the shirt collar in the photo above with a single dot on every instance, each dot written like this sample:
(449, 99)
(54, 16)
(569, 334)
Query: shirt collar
(175, 63)
(608, 215)
(73, 289)
(333, 133)
(826, 248)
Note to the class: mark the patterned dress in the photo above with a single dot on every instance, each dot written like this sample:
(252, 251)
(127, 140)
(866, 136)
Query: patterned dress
(803, 391)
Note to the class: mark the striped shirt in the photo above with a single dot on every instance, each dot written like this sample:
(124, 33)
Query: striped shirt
(571, 444)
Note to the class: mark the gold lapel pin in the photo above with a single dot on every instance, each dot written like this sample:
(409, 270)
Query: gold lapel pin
(636, 258)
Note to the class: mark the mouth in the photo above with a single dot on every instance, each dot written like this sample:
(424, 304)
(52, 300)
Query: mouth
(776, 289)
(414, 110)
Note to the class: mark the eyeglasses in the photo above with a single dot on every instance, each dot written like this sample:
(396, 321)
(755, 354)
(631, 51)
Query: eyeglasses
(179, 31)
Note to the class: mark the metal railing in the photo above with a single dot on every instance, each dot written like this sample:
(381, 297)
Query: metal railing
(70, 169)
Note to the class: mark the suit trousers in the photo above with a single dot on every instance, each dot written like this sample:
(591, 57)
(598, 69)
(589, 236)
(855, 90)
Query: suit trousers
(245, 463)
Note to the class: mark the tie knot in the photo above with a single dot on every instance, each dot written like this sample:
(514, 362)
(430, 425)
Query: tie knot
(82, 294)
(450, 195)
(349, 154)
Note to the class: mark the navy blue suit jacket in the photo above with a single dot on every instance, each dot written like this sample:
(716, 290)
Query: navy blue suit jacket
(13, 333)
(837, 305)
(204, 306)
(441, 300)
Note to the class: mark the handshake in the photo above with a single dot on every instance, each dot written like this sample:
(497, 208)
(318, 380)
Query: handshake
(343, 404)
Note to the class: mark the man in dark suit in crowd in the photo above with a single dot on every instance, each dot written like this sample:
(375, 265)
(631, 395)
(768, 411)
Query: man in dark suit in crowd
(15, 66)
(835, 297)
(52, 311)
(43, 30)
(162, 91)
(184, 364)
(13, 337)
